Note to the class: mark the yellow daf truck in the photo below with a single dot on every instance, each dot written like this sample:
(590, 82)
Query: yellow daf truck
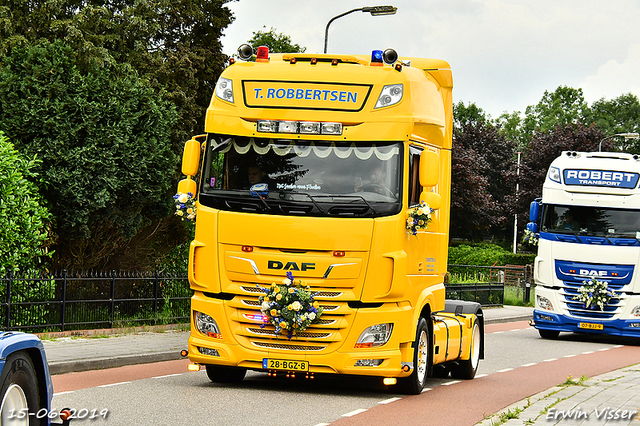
(321, 195)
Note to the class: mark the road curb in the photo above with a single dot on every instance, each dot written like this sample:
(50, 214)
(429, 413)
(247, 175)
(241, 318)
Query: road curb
(511, 319)
(112, 362)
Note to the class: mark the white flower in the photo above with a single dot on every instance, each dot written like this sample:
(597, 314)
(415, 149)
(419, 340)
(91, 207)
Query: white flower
(183, 198)
(296, 306)
(265, 306)
(312, 316)
(287, 281)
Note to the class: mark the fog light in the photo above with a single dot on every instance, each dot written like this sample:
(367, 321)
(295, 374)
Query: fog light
(544, 303)
(331, 128)
(288, 127)
(207, 325)
(634, 325)
(368, 362)
(374, 336)
(207, 351)
(193, 367)
(310, 128)
(389, 381)
(224, 89)
(545, 318)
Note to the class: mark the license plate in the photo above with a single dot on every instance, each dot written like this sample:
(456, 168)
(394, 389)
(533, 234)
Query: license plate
(590, 326)
(284, 364)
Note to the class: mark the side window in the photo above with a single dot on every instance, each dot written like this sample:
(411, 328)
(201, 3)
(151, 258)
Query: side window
(414, 182)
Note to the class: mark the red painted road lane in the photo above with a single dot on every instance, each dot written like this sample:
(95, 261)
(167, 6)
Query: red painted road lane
(89, 379)
(506, 326)
(468, 402)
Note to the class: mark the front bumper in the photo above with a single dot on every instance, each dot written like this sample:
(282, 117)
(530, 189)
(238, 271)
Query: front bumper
(545, 320)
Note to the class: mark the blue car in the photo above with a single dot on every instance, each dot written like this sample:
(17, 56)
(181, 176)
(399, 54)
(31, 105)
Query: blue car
(25, 383)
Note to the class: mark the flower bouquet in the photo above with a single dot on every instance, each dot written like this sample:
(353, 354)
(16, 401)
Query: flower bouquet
(289, 306)
(185, 205)
(595, 293)
(419, 218)
(530, 237)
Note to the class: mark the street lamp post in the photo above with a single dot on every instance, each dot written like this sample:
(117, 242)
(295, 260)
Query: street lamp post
(373, 10)
(626, 136)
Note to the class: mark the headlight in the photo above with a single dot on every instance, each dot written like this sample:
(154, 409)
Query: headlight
(544, 303)
(374, 336)
(554, 174)
(635, 312)
(207, 325)
(390, 95)
(224, 89)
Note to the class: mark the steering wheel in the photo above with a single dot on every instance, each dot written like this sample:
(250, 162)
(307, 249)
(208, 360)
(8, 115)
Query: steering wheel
(372, 187)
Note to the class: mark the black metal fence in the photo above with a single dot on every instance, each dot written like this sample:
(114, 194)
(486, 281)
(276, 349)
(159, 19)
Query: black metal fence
(488, 285)
(64, 300)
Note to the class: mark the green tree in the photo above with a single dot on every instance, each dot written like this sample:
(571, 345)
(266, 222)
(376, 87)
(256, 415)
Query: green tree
(174, 45)
(276, 42)
(24, 220)
(103, 135)
(619, 115)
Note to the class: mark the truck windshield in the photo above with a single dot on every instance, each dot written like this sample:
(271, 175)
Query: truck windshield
(591, 221)
(284, 176)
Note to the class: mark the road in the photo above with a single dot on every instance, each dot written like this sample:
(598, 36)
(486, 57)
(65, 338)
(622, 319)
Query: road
(518, 363)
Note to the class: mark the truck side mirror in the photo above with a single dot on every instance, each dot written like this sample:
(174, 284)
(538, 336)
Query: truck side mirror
(187, 185)
(533, 227)
(534, 211)
(429, 169)
(191, 158)
(431, 198)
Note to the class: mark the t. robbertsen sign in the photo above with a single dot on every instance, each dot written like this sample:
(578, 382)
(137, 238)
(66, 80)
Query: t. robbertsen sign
(606, 413)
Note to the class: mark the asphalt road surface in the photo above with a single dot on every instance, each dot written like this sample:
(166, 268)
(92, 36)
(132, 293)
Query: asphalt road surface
(517, 364)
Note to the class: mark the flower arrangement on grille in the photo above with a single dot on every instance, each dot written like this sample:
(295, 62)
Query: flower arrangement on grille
(530, 237)
(419, 218)
(289, 306)
(595, 293)
(185, 206)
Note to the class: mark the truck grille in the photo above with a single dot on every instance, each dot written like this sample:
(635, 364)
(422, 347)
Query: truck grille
(325, 335)
(577, 308)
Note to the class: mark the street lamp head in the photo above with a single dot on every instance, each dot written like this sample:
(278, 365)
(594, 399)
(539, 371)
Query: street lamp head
(380, 10)
(629, 135)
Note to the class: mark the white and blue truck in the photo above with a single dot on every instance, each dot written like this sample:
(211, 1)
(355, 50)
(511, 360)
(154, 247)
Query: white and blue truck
(587, 225)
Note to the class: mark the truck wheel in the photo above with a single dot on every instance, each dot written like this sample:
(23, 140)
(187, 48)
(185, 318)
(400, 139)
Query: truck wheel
(222, 374)
(549, 334)
(467, 369)
(18, 390)
(414, 384)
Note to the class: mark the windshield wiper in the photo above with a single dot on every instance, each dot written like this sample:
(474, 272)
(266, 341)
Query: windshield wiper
(313, 200)
(356, 197)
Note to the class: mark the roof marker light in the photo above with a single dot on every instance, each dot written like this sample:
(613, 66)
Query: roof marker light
(334, 62)
(314, 61)
(263, 54)
(293, 61)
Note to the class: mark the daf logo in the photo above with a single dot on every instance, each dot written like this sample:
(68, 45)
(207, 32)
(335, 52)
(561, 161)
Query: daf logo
(291, 266)
(592, 273)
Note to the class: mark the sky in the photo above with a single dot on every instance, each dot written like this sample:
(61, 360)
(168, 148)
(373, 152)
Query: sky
(503, 54)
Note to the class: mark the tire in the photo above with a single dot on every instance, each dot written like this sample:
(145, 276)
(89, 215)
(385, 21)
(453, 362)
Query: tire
(19, 391)
(222, 374)
(549, 334)
(467, 369)
(414, 384)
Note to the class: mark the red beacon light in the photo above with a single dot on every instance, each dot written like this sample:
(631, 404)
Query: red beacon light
(262, 54)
